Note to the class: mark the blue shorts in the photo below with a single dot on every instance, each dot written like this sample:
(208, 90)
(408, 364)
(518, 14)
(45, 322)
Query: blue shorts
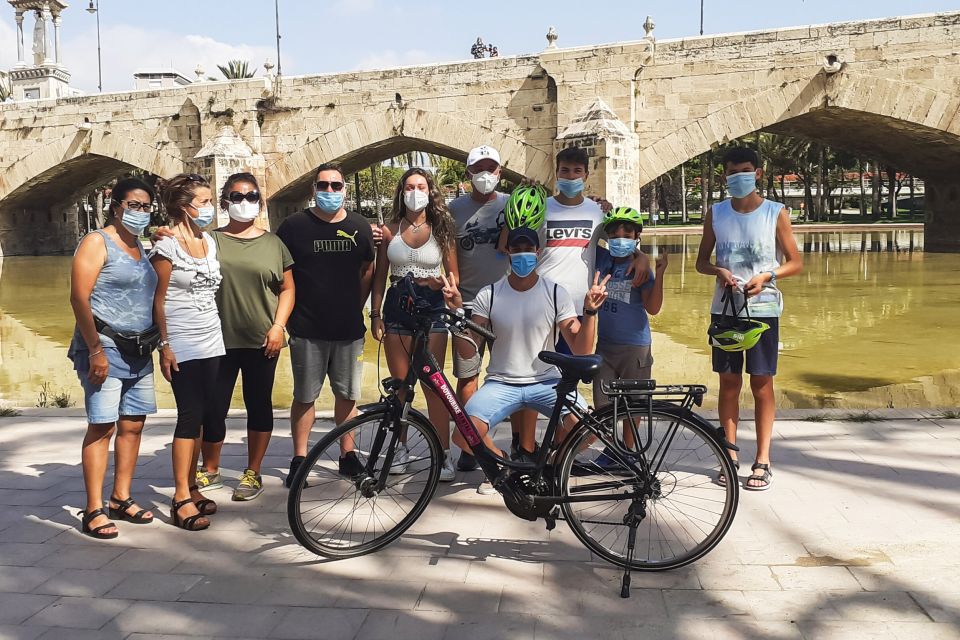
(116, 397)
(496, 400)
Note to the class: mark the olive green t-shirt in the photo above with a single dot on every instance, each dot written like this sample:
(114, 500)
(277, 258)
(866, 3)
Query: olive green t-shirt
(252, 270)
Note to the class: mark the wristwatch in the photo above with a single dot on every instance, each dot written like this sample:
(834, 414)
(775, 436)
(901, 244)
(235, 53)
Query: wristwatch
(590, 312)
(162, 344)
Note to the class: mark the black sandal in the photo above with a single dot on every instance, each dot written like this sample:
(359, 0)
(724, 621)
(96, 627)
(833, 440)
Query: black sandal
(205, 506)
(97, 531)
(766, 478)
(122, 512)
(722, 479)
(190, 522)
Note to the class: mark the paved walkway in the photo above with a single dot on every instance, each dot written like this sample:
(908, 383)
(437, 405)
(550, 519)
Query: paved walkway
(857, 539)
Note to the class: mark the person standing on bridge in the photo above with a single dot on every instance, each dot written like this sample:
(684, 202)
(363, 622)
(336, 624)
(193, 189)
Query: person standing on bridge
(755, 249)
(112, 285)
(333, 255)
(419, 240)
(185, 307)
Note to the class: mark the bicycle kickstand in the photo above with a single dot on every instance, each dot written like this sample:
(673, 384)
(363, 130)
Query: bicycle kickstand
(632, 521)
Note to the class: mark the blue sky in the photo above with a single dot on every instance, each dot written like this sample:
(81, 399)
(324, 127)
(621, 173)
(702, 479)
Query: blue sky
(345, 35)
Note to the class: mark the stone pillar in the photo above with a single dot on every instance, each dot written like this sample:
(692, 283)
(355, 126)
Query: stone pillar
(45, 18)
(614, 153)
(56, 37)
(223, 155)
(20, 61)
(941, 232)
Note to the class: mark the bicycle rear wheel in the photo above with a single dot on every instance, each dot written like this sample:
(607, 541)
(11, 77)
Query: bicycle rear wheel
(343, 517)
(672, 490)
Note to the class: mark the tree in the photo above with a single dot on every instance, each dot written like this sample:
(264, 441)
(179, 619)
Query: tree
(447, 172)
(236, 70)
(4, 87)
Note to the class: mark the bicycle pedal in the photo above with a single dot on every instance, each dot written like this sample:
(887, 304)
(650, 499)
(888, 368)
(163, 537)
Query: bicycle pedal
(551, 519)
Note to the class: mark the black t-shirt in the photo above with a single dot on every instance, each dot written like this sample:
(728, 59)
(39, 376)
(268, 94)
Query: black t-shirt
(327, 263)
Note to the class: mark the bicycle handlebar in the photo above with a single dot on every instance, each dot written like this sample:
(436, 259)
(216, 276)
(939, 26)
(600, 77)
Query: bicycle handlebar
(419, 309)
(470, 324)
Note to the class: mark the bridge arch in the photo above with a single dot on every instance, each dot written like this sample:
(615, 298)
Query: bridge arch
(376, 137)
(898, 122)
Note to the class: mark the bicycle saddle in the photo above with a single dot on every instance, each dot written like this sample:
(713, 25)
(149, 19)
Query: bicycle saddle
(573, 367)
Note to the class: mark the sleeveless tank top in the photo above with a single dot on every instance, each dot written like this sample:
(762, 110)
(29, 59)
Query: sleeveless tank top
(423, 262)
(123, 298)
(746, 246)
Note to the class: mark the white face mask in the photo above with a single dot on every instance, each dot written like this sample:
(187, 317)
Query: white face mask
(416, 200)
(244, 211)
(485, 181)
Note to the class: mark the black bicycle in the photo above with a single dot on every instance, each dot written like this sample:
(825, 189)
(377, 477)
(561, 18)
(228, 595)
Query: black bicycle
(637, 481)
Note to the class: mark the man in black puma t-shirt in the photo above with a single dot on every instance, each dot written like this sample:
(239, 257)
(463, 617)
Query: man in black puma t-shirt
(333, 253)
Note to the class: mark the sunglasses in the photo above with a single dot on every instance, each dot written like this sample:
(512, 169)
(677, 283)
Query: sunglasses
(236, 197)
(196, 177)
(323, 185)
(134, 205)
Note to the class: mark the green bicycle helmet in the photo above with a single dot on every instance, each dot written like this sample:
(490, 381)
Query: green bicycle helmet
(623, 214)
(739, 335)
(526, 207)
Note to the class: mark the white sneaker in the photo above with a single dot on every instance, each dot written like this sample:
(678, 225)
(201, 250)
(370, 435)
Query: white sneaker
(447, 473)
(486, 488)
(401, 460)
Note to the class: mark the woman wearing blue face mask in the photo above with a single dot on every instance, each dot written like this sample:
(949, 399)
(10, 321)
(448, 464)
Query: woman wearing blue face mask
(186, 311)
(112, 281)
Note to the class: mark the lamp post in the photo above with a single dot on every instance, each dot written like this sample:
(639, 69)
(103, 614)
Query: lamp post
(95, 9)
(701, 17)
(276, 9)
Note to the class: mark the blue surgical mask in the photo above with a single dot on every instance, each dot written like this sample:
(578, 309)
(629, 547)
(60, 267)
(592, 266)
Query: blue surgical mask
(740, 185)
(621, 247)
(523, 264)
(135, 221)
(329, 201)
(204, 216)
(570, 188)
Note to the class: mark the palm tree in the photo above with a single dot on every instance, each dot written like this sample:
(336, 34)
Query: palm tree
(447, 172)
(236, 70)
(4, 87)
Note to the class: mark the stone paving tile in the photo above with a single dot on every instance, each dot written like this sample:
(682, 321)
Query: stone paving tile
(23, 554)
(60, 633)
(567, 627)
(481, 626)
(79, 613)
(17, 607)
(735, 629)
(371, 594)
(147, 560)
(941, 606)
(791, 605)
(145, 585)
(301, 592)
(11, 632)
(229, 590)
(725, 577)
(82, 557)
(194, 618)
(89, 583)
(815, 578)
(331, 624)
(440, 596)
(391, 625)
(706, 604)
(24, 579)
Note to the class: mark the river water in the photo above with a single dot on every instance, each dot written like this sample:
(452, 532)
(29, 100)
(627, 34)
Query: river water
(873, 321)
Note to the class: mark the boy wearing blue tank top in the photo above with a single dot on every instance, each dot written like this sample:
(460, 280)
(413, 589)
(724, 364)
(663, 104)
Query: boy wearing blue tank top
(755, 249)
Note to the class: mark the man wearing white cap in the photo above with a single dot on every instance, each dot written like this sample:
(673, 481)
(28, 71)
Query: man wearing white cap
(479, 219)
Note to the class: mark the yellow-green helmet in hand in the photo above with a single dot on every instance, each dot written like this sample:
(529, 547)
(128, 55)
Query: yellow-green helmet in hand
(526, 207)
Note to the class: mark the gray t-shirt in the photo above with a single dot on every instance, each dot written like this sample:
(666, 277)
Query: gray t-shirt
(478, 228)
(193, 325)
(524, 322)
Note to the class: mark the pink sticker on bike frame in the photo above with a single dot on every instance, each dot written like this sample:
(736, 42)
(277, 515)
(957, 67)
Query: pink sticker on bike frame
(461, 419)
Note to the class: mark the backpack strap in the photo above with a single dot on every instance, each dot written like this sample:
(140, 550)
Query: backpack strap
(556, 337)
(490, 308)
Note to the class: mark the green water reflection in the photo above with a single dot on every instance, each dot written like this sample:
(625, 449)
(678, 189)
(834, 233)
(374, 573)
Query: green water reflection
(872, 322)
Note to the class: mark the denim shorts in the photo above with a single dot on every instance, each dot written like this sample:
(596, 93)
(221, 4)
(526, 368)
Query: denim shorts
(496, 400)
(116, 397)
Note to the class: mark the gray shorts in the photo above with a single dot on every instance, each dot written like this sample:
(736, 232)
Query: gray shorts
(464, 369)
(625, 361)
(314, 359)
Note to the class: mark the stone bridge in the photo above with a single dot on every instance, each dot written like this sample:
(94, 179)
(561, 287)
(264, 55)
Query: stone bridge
(884, 88)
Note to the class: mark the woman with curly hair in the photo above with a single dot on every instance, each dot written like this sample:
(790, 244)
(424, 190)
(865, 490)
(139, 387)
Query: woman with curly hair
(419, 240)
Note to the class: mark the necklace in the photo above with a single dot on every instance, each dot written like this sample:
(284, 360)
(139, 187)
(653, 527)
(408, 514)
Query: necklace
(416, 227)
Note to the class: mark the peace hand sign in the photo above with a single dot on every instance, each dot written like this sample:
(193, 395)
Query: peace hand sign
(597, 294)
(451, 294)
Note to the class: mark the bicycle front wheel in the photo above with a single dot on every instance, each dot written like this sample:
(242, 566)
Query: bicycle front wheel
(349, 514)
(671, 492)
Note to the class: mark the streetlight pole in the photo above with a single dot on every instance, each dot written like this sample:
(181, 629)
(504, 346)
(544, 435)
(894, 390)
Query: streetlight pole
(701, 17)
(276, 8)
(95, 9)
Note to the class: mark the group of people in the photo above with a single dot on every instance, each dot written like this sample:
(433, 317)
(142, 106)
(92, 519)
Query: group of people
(558, 273)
